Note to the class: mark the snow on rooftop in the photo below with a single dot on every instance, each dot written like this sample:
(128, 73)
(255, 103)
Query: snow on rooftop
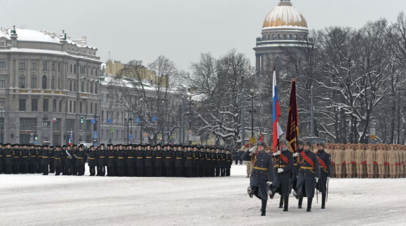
(35, 36)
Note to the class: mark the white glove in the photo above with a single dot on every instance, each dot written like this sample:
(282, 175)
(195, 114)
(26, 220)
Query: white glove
(253, 149)
(280, 170)
(277, 153)
(317, 180)
(296, 154)
(269, 183)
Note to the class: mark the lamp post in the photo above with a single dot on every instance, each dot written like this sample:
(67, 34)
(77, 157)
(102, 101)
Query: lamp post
(252, 96)
(141, 103)
(163, 123)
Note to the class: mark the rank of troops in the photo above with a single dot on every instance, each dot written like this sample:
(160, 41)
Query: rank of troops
(120, 160)
(367, 160)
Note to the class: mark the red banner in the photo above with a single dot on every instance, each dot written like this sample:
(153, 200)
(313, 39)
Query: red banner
(292, 132)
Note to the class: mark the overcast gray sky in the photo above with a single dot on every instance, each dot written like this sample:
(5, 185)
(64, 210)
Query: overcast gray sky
(180, 29)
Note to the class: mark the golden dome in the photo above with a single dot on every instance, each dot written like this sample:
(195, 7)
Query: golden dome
(284, 15)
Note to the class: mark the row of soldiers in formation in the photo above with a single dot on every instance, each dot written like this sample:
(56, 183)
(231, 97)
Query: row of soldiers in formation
(367, 160)
(282, 171)
(120, 160)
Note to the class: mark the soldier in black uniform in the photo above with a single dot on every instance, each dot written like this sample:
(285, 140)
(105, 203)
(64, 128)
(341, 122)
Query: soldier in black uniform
(309, 174)
(74, 149)
(218, 161)
(236, 156)
(148, 160)
(1, 158)
(158, 161)
(25, 154)
(130, 161)
(80, 160)
(325, 172)
(120, 156)
(169, 156)
(92, 160)
(32, 160)
(16, 159)
(8, 158)
(229, 162)
(45, 153)
(262, 174)
(101, 161)
(196, 162)
(111, 161)
(67, 157)
(207, 162)
(57, 160)
(51, 161)
(283, 164)
(295, 169)
(39, 159)
(189, 161)
(213, 162)
(139, 162)
(223, 162)
(179, 160)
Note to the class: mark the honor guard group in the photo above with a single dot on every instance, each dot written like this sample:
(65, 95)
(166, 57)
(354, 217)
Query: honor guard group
(120, 160)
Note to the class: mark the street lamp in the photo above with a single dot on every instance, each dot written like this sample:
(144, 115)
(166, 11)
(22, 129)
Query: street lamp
(252, 96)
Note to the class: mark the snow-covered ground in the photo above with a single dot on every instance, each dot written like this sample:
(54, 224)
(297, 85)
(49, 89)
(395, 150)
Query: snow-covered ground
(72, 200)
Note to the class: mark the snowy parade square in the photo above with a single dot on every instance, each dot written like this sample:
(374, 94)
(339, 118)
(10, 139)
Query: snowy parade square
(71, 200)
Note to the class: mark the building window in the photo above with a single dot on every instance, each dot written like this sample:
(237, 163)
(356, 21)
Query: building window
(60, 106)
(2, 44)
(59, 83)
(91, 87)
(95, 88)
(74, 69)
(91, 71)
(33, 81)
(70, 86)
(53, 82)
(70, 106)
(279, 36)
(285, 36)
(82, 88)
(33, 65)
(102, 116)
(70, 70)
(21, 65)
(2, 64)
(2, 83)
(21, 105)
(53, 105)
(44, 82)
(44, 65)
(74, 86)
(290, 36)
(95, 108)
(53, 65)
(74, 106)
(59, 67)
(34, 104)
(21, 81)
(80, 107)
(45, 105)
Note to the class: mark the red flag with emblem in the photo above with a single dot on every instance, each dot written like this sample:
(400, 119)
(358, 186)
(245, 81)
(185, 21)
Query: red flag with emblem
(292, 132)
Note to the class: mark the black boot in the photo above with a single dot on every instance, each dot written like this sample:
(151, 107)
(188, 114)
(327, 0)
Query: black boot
(323, 201)
(263, 209)
(281, 202)
(286, 204)
(300, 201)
(309, 204)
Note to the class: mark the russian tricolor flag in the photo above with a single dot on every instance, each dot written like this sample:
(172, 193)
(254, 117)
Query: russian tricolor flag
(276, 113)
(70, 139)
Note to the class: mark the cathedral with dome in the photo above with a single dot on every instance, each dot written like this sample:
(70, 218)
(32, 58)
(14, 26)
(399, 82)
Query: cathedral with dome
(283, 27)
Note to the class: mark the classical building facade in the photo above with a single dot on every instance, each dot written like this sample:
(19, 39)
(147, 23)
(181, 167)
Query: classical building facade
(49, 88)
(283, 27)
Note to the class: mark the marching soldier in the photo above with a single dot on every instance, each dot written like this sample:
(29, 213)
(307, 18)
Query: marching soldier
(57, 160)
(295, 169)
(325, 173)
(309, 174)
(283, 165)
(92, 160)
(262, 174)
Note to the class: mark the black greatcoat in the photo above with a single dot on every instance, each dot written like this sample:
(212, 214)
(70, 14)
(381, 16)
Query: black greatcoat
(295, 171)
(324, 173)
(282, 180)
(306, 175)
(262, 172)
